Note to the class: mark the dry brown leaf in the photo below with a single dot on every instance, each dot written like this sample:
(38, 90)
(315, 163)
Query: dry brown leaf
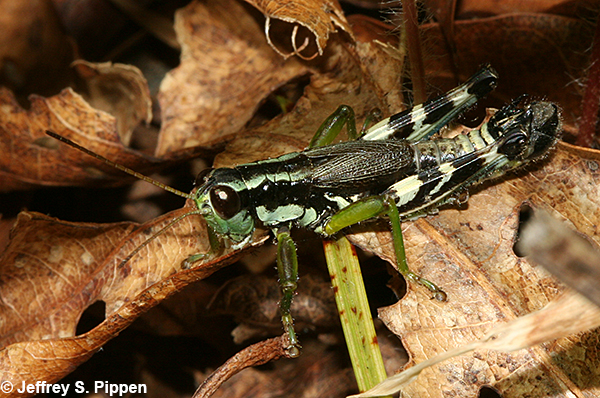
(227, 69)
(567, 255)
(53, 270)
(31, 158)
(570, 314)
(350, 76)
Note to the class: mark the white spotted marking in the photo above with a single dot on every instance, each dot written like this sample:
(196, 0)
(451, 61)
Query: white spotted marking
(280, 215)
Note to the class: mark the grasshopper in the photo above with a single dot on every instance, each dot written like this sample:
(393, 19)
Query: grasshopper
(391, 169)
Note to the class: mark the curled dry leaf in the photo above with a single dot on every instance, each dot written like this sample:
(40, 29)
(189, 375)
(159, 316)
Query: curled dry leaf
(351, 76)
(319, 17)
(118, 89)
(30, 158)
(53, 270)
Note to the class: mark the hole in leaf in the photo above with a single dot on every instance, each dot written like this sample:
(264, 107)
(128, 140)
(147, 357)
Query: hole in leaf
(91, 317)
(489, 392)
(384, 285)
(279, 101)
(525, 214)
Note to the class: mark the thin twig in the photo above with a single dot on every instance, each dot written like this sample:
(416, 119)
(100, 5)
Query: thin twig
(254, 355)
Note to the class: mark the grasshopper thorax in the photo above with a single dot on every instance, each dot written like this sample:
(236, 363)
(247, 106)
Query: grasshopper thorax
(223, 200)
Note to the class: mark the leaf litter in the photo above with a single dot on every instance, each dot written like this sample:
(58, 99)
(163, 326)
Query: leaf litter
(49, 267)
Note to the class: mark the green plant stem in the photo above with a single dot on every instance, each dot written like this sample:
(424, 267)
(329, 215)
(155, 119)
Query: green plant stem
(355, 313)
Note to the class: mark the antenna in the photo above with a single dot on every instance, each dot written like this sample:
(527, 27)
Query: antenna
(156, 235)
(119, 166)
(141, 177)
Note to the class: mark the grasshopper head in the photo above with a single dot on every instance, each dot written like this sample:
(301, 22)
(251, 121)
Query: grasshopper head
(223, 200)
(544, 126)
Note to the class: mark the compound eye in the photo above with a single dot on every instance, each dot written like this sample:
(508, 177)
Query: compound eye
(225, 201)
(514, 145)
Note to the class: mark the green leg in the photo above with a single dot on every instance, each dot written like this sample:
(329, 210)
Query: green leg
(215, 249)
(287, 261)
(374, 206)
(394, 216)
(287, 265)
(331, 127)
